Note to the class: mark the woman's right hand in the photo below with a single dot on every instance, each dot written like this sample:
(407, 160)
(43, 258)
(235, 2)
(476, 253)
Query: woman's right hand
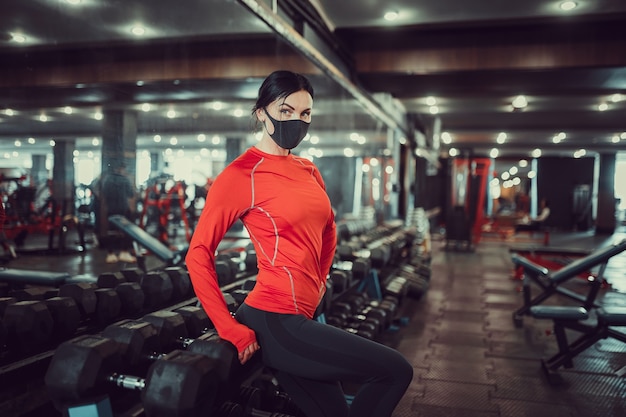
(247, 353)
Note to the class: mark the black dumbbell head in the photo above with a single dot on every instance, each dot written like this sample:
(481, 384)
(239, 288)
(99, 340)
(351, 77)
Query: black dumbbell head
(181, 384)
(181, 284)
(110, 279)
(137, 339)
(170, 327)
(79, 369)
(28, 324)
(131, 298)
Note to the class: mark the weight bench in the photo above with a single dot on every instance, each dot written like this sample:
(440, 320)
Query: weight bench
(152, 244)
(33, 277)
(550, 281)
(565, 317)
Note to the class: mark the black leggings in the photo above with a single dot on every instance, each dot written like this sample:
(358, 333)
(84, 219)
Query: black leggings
(309, 359)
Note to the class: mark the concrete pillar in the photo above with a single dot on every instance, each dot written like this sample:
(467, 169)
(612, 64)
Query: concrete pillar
(63, 175)
(38, 173)
(119, 146)
(119, 140)
(605, 220)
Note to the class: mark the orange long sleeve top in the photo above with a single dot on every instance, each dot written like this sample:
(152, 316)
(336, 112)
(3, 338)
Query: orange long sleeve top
(283, 204)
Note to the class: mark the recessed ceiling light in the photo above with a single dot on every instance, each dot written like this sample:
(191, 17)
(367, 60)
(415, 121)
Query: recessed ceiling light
(138, 30)
(391, 15)
(536, 153)
(501, 138)
(568, 5)
(603, 107)
(615, 139)
(431, 101)
(18, 37)
(519, 102)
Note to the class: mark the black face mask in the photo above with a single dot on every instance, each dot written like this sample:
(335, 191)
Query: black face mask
(288, 133)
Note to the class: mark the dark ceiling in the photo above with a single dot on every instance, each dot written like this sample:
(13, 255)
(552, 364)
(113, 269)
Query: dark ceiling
(472, 58)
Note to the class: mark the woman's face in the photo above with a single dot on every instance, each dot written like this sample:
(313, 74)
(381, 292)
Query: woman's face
(293, 107)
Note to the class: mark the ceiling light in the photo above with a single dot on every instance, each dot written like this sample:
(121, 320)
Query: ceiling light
(603, 107)
(505, 175)
(523, 163)
(17, 143)
(434, 109)
(43, 118)
(519, 102)
(536, 153)
(157, 138)
(391, 15)
(9, 112)
(501, 138)
(171, 114)
(238, 113)
(138, 30)
(453, 152)
(446, 138)
(568, 5)
(67, 110)
(615, 98)
(513, 170)
(315, 139)
(431, 101)
(615, 139)
(532, 174)
(31, 141)
(494, 153)
(139, 83)
(145, 107)
(18, 37)
(215, 140)
(173, 141)
(349, 152)
(580, 153)
(201, 137)
(623, 135)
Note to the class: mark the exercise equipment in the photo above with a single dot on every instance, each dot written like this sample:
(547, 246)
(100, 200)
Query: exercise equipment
(149, 242)
(551, 282)
(33, 277)
(148, 338)
(180, 383)
(573, 318)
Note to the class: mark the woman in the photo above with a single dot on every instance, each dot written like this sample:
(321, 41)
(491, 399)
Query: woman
(282, 202)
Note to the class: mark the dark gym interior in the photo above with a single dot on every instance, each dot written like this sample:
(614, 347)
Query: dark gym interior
(443, 130)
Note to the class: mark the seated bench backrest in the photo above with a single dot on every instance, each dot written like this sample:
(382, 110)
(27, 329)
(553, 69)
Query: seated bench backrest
(583, 264)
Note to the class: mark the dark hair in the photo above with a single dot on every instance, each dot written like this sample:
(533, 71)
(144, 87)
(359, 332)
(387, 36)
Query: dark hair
(280, 84)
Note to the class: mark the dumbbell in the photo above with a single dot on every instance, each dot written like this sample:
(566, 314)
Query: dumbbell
(34, 293)
(230, 409)
(272, 397)
(130, 293)
(249, 400)
(102, 304)
(142, 341)
(154, 281)
(27, 325)
(180, 383)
